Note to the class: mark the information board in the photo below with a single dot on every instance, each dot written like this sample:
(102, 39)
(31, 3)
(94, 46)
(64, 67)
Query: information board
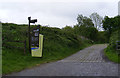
(36, 42)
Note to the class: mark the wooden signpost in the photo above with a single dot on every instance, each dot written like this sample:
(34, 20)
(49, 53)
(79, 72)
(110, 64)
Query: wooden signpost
(35, 40)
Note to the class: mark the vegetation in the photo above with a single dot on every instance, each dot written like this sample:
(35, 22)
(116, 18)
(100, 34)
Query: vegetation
(112, 29)
(112, 55)
(97, 20)
(90, 28)
(58, 43)
(110, 25)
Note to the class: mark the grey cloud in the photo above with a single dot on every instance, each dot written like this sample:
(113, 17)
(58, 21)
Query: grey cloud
(56, 14)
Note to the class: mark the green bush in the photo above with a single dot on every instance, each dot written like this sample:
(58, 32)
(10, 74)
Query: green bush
(111, 51)
(114, 37)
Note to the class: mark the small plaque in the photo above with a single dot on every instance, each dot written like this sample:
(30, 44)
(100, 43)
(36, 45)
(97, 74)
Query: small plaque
(35, 37)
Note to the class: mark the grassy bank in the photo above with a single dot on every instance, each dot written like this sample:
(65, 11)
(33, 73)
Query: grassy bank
(58, 44)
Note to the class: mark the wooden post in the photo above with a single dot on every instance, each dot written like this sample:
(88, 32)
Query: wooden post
(25, 47)
(29, 19)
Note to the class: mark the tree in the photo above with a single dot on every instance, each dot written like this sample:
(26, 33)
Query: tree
(84, 21)
(97, 20)
(85, 27)
(80, 19)
(76, 29)
(111, 25)
(89, 32)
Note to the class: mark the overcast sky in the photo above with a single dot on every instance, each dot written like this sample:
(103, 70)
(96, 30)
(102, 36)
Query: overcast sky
(55, 13)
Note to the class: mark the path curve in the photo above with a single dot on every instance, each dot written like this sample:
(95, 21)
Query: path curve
(87, 62)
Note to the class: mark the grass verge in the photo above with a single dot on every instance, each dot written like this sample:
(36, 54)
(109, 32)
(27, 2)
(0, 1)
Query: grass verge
(112, 55)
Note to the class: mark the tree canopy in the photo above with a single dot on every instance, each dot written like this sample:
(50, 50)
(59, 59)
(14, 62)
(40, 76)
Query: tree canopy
(111, 24)
(97, 20)
(84, 21)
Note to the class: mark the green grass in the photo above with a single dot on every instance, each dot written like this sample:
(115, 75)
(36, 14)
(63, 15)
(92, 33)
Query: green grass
(112, 55)
(14, 60)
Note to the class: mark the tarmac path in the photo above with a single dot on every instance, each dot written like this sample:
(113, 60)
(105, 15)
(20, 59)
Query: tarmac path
(87, 62)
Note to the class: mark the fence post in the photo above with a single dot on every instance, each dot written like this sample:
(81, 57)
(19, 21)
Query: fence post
(25, 47)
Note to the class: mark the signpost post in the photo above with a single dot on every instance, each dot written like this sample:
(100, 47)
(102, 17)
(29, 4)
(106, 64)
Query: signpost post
(30, 21)
(35, 40)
